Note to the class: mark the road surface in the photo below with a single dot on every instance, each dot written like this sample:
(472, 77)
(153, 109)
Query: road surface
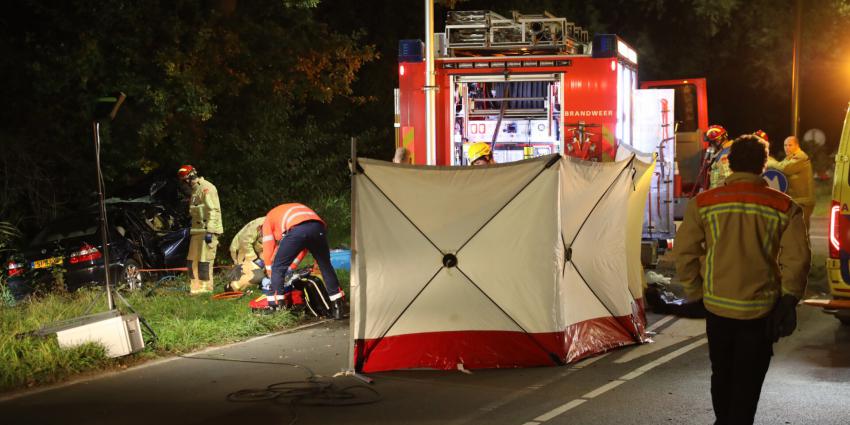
(662, 382)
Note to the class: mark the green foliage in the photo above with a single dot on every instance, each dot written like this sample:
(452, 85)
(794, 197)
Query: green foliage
(182, 323)
(252, 93)
(6, 298)
(8, 235)
(185, 323)
(29, 361)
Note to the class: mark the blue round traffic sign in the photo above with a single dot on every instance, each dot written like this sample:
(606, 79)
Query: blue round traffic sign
(775, 179)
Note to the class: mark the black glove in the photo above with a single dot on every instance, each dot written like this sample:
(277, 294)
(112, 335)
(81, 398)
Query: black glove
(783, 319)
(208, 238)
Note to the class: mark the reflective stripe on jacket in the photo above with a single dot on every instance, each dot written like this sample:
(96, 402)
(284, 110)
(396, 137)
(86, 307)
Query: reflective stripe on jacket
(797, 167)
(278, 221)
(244, 245)
(741, 246)
(720, 170)
(204, 208)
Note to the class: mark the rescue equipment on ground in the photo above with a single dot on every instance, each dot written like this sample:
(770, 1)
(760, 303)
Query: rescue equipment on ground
(302, 290)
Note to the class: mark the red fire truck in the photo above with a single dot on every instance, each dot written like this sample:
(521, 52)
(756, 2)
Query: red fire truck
(532, 76)
(691, 112)
(533, 85)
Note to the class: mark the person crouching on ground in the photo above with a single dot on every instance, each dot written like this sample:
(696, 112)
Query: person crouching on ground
(245, 251)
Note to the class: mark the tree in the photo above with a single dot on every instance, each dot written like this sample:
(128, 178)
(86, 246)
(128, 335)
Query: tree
(250, 92)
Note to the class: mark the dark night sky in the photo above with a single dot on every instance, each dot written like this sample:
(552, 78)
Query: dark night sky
(733, 101)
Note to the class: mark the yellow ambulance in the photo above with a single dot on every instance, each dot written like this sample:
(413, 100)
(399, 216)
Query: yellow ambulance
(838, 263)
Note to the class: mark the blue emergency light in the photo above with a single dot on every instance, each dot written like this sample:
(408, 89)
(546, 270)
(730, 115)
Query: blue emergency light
(604, 46)
(411, 50)
(610, 46)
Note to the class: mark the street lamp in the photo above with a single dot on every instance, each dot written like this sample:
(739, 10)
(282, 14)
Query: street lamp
(795, 69)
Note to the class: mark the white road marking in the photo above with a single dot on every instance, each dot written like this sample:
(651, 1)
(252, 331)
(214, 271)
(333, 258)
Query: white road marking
(660, 322)
(587, 362)
(681, 330)
(615, 383)
(559, 410)
(664, 359)
(604, 389)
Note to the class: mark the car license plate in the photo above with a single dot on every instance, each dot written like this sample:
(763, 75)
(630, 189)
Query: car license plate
(47, 262)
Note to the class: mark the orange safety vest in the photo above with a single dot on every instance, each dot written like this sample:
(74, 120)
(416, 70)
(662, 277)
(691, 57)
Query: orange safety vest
(279, 221)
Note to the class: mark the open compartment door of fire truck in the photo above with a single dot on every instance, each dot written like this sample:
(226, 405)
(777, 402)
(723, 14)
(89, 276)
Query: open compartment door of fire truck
(524, 111)
(691, 117)
(654, 133)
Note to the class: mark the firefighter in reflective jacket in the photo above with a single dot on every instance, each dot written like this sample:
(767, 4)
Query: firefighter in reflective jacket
(245, 251)
(289, 231)
(718, 139)
(205, 211)
(797, 167)
(742, 248)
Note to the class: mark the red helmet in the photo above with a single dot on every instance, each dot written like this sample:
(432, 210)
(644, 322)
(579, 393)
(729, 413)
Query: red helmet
(761, 135)
(186, 171)
(716, 133)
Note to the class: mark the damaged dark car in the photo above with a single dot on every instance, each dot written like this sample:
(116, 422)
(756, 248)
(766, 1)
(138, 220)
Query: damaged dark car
(145, 234)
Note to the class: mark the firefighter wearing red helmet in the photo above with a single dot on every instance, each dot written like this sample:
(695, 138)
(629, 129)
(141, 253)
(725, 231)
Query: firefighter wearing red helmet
(718, 139)
(205, 211)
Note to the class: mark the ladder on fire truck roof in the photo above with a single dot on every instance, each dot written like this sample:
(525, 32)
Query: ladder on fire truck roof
(477, 32)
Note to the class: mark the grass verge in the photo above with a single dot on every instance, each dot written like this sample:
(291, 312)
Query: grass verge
(182, 324)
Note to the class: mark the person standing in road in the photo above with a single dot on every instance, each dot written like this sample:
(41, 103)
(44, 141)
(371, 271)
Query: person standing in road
(206, 228)
(289, 231)
(743, 249)
(797, 167)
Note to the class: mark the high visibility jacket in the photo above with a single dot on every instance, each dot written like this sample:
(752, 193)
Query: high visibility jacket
(798, 169)
(741, 246)
(720, 166)
(205, 209)
(278, 221)
(247, 243)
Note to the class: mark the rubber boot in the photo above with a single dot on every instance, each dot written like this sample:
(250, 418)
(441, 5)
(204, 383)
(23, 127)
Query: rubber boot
(336, 309)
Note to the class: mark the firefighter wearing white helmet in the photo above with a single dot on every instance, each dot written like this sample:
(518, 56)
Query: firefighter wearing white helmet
(206, 228)
(479, 153)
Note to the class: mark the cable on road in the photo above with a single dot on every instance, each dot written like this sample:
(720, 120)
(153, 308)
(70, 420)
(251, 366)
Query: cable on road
(313, 390)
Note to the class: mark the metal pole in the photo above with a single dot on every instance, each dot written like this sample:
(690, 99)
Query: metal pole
(430, 115)
(795, 70)
(352, 276)
(103, 225)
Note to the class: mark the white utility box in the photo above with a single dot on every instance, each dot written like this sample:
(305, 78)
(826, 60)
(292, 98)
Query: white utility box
(120, 334)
